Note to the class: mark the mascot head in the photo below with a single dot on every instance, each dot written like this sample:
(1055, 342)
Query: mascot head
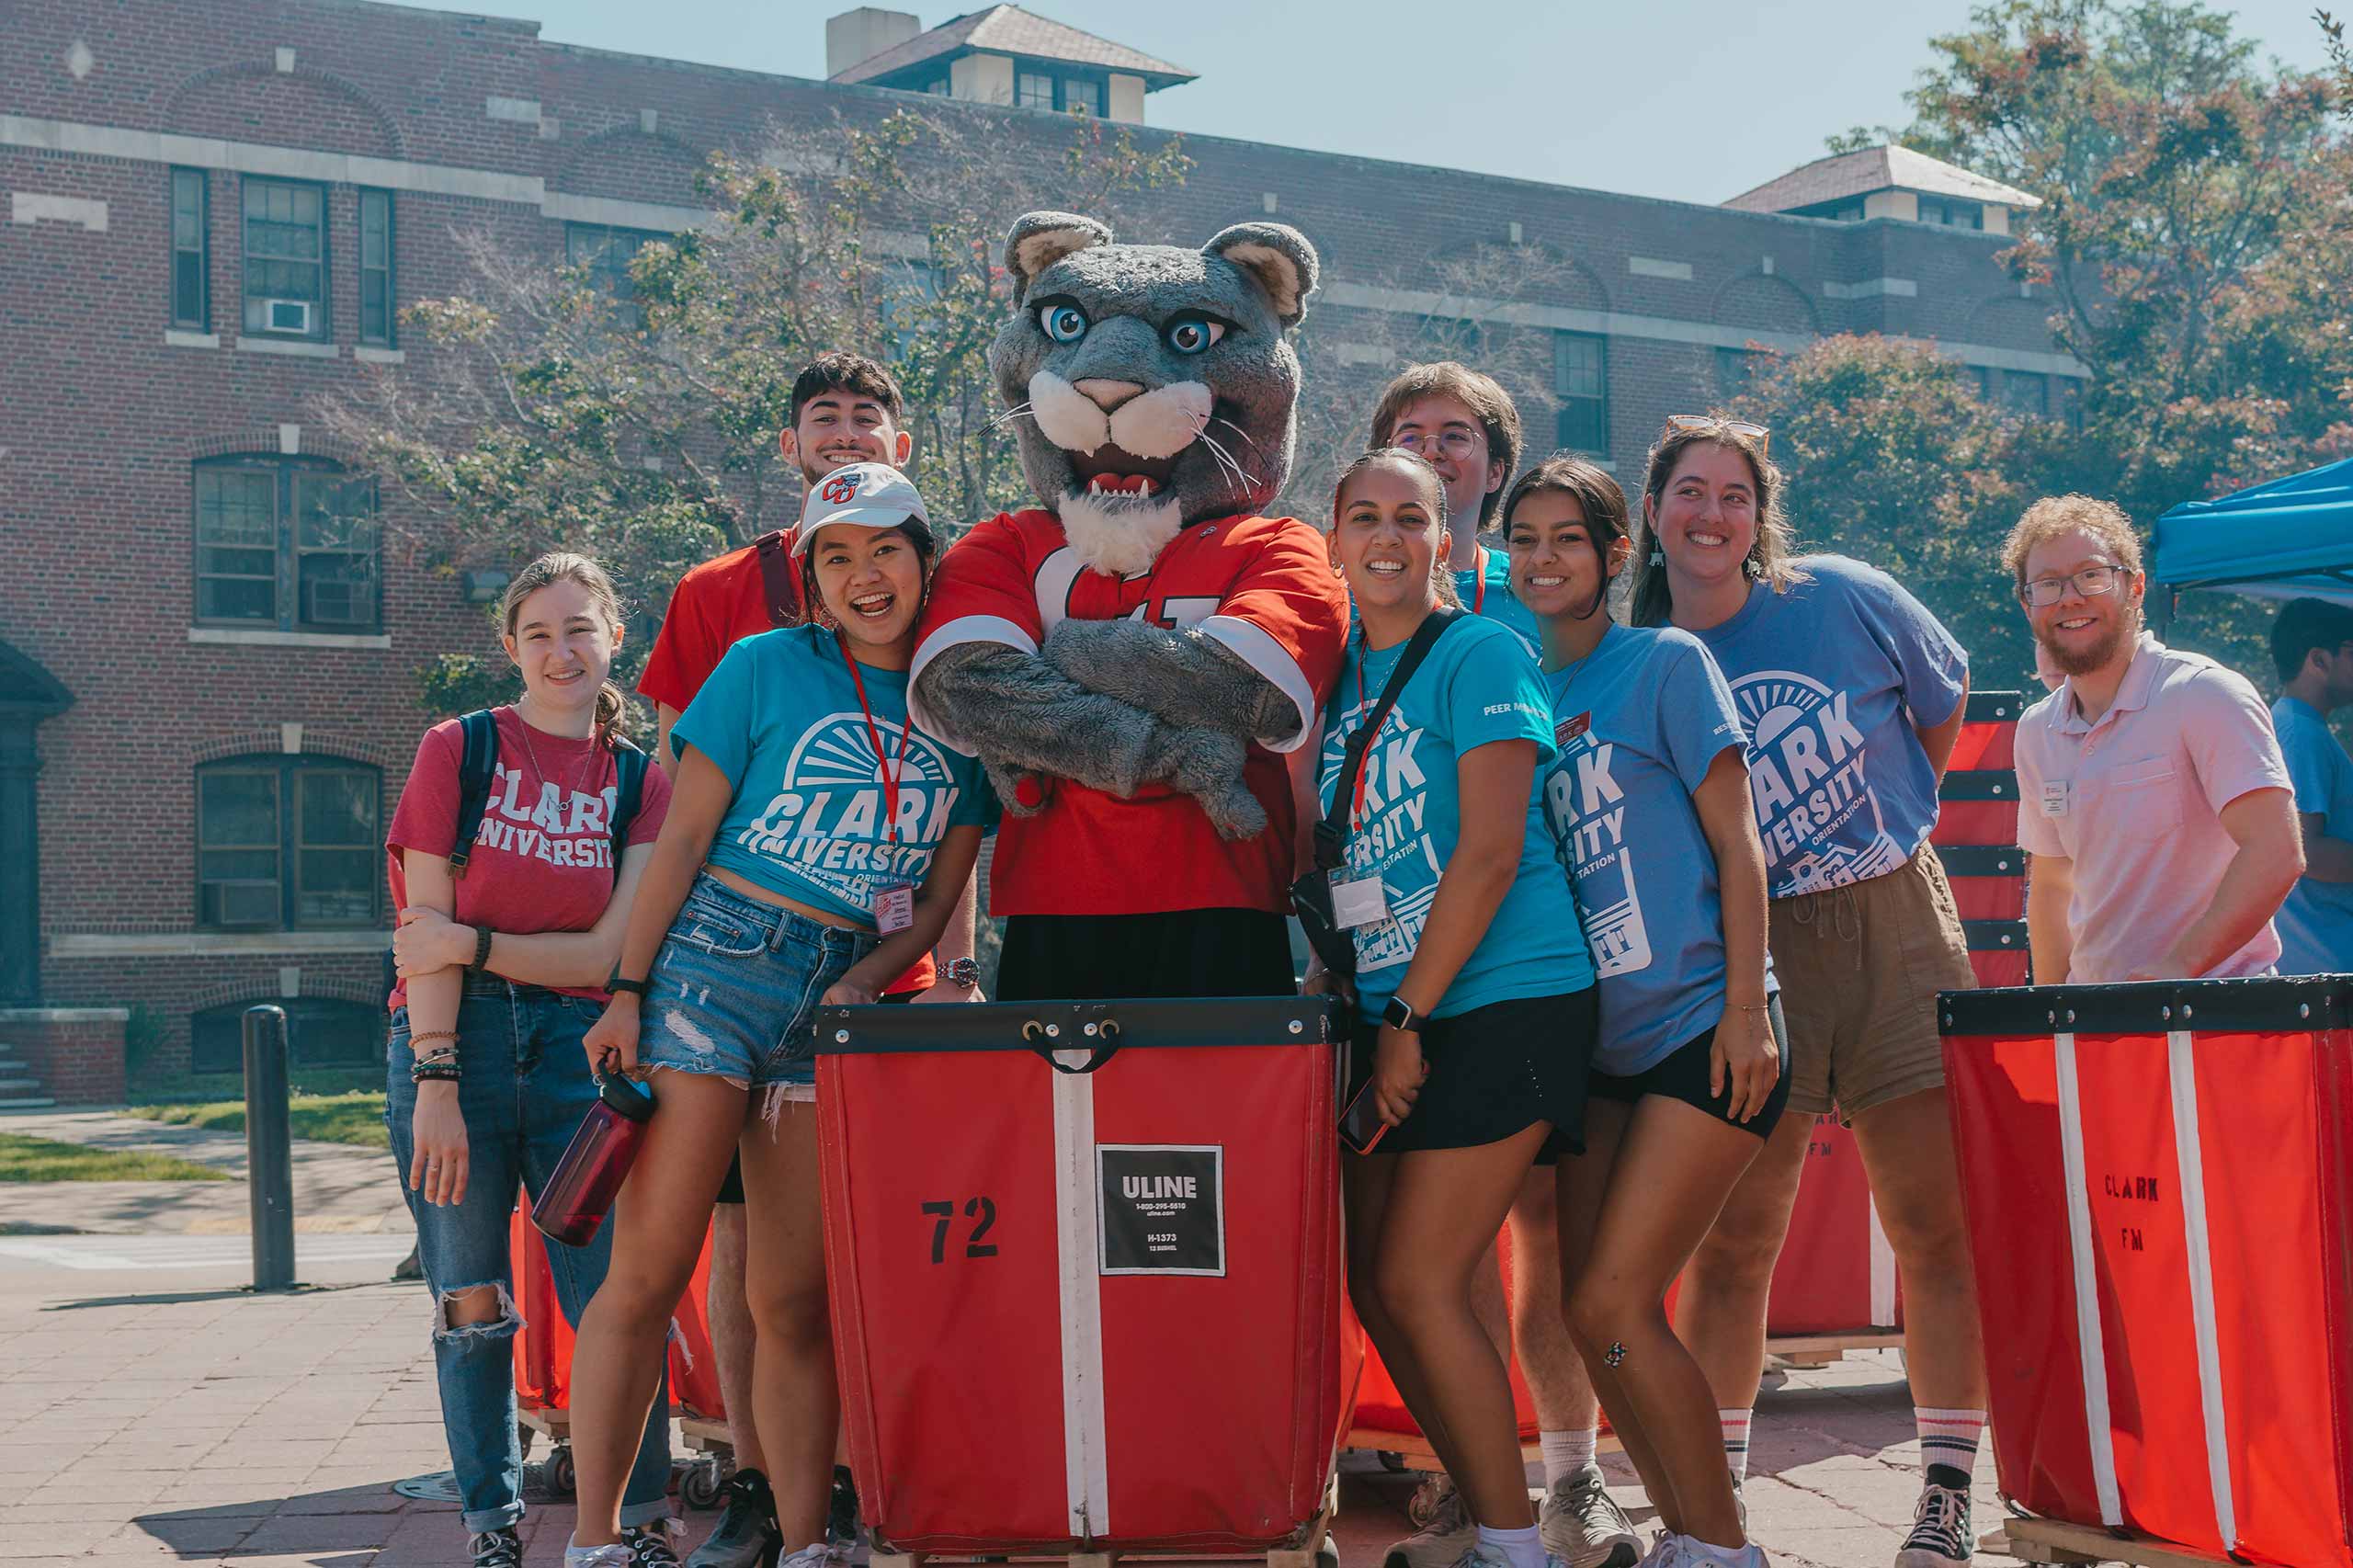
(1155, 385)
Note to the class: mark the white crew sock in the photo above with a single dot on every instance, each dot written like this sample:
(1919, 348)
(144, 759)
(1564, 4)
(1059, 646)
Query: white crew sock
(1525, 1548)
(1565, 1453)
(1735, 1427)
(1700, 1551)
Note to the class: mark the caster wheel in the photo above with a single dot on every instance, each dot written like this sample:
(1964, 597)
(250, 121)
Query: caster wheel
(561, 1477)
(1327, 1555)
(526, 1434)
(1393, 1462)
(702, 1488)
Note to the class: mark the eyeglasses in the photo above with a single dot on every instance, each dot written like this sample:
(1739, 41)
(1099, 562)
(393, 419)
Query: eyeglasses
(2089, 580)
(1756, 433)
(1456, 443)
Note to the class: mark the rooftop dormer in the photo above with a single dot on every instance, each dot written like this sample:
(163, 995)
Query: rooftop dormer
(1002, 55)
(1889, 181)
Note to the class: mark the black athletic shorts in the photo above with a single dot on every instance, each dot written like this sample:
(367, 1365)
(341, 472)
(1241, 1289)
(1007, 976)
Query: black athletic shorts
(1184, 953)
(1494, 1071)
(1682, 1076)
(730, 1191)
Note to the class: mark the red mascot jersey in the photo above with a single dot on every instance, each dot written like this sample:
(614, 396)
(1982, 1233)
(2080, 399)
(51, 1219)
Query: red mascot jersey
(1262, 586)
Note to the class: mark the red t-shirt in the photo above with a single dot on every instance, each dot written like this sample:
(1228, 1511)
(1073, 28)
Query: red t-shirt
(1264, 587)
(715, 605)
(542, 860)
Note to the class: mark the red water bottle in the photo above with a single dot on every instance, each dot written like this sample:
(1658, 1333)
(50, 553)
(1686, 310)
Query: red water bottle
(580, 1194)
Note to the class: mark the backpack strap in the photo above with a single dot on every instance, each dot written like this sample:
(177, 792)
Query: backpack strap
(777, 583)
(1332, 834)
(475, 770)
(629, 772)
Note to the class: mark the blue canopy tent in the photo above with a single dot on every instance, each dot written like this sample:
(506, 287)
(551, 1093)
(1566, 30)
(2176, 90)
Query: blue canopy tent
(2289, 538)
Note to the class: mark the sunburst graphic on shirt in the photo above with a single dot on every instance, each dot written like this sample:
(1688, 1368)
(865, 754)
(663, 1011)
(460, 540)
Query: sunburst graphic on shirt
(1808, 780)
(838, 750)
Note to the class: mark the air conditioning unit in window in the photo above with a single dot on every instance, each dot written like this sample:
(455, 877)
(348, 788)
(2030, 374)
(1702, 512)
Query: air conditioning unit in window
(287, 316)
(332, 603)
(247, 903)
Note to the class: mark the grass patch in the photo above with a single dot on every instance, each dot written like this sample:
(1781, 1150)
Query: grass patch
(43, 1159)
(354, 1116)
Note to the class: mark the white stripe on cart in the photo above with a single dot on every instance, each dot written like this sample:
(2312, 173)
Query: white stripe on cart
(1086, 1465)
(2183, 1069)
(2089, 1339)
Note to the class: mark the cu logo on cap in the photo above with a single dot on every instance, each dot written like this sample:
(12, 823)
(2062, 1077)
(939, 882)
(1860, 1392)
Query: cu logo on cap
(839, 488)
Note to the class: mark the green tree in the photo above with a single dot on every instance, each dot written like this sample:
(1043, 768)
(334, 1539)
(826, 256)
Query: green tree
(545, 408)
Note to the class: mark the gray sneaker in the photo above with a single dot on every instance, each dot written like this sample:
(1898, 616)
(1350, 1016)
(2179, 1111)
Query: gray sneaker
(1478, 1556)
(1443, 1529)
(1583, 1525)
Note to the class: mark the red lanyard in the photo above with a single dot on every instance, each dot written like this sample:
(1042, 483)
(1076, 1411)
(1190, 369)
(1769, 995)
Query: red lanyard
(1479, 579)
(891, 775)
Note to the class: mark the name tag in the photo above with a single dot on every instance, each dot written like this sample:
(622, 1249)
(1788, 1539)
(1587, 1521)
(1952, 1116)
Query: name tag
(894, 907)
(1568, 730)
(1360, 902)
(2056, 794)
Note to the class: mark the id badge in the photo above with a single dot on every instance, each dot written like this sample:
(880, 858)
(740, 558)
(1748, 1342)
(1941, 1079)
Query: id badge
(894, 907)
(2055, 796)
(1358, 902)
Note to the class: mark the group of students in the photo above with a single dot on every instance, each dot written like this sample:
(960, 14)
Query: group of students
(1646, 895)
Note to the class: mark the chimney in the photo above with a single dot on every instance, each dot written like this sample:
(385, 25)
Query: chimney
(855, 37)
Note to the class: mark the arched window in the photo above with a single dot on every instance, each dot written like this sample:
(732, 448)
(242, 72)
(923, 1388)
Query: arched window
(285, 543)
(320, 1032)
(288, 843)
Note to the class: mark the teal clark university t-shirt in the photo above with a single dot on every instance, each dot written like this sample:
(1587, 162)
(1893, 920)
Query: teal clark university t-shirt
(1477, 686)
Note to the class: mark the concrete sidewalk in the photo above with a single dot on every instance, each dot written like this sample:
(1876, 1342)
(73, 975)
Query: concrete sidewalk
(164, 1416)
(337, 1188)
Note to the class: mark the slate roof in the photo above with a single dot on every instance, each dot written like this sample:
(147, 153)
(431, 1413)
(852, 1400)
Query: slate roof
(1009, 30)
(1888, 168)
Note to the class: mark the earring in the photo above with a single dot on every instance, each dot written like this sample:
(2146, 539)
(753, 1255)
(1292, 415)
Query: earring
(1658, 556)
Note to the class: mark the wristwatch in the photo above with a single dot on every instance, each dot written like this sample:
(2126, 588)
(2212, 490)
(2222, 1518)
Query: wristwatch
(482, 935)
(615, 983)
(1400, 1014)
(964, 973)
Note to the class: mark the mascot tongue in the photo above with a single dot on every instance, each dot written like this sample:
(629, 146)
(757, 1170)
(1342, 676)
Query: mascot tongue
(1123, 484)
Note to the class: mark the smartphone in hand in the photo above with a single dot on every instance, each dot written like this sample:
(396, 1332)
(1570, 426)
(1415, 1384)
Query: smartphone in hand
(1360, 1125)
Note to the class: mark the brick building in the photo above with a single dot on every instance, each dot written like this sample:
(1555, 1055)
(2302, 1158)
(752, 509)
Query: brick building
(215, 210)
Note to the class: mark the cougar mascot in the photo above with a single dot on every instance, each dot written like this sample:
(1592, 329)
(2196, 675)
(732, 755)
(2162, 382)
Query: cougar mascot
(1132, 657)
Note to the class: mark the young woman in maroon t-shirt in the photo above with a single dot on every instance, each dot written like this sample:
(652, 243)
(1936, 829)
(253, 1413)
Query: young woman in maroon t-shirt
(501, 973)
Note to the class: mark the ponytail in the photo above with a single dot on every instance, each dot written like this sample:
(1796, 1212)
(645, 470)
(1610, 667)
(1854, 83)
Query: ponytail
(612, 715)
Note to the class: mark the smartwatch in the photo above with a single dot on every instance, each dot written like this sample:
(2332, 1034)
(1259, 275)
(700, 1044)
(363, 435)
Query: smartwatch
(482, 935)
(615, 983)
(1400, 1014)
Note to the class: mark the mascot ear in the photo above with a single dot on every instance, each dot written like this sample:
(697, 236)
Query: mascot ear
(1040, 239)
(1278, 256)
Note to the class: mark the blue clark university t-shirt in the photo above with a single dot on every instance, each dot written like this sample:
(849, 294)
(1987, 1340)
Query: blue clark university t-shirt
(1832, 678)
(2315, 924)
(1477, 686)
(1639, 721)
(780, 718)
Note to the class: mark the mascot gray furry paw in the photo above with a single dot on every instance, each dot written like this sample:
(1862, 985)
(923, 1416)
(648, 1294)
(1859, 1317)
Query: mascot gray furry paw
(1132, 657)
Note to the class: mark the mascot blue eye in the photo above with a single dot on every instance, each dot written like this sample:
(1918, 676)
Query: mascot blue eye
(1064, 324)
(1193, 335)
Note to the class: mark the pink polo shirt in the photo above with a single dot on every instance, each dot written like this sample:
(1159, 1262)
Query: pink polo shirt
(2135, 801)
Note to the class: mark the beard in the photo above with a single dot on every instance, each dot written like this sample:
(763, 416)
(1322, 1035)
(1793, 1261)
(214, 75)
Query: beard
(2082, 659)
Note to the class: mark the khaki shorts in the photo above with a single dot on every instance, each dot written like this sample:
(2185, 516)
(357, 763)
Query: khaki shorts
(1859, 968)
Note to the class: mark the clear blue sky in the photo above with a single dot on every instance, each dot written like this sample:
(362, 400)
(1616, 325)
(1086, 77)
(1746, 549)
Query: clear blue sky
(1690, 99)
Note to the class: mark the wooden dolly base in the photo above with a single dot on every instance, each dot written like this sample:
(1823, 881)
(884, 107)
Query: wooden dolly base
(2057, 1541)
(1810, 1350)
(1313, 1548)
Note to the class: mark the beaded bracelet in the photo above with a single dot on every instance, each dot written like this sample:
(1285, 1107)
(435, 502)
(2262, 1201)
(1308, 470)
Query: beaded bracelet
(449, 1035)
(422, 1074)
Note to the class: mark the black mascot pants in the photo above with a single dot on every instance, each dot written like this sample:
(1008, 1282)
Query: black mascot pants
(1183, 952)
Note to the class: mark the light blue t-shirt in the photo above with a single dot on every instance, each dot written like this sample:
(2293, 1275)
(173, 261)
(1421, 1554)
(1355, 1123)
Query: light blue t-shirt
(780, 718)
(1639, 721)
(1496, 602)
(2315, 924)
(1832, 678)
(1476, 686)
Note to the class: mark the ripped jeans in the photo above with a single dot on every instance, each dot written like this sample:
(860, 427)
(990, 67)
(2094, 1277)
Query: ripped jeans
(525, 1089)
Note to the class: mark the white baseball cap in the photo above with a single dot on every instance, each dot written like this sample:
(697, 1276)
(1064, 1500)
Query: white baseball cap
(867, 495)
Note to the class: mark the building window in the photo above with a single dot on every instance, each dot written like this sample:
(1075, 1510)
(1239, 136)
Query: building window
(1983, 380)
(1737, 371)
(192, 251)
(376, 296)
(287, 544)
(288, 844)
(286, 258)
(1948, 213)
(605, 253)
(940, 86)
(2024, 392)
(1581, 385)
(1081, 94)
(321, 1031)
(1033, 89)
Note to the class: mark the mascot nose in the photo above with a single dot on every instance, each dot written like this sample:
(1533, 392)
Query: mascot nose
(1108, 395)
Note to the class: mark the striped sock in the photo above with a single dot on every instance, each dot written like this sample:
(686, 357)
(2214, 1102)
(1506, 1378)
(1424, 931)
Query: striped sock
(1949, 1444)
(1735, 1425)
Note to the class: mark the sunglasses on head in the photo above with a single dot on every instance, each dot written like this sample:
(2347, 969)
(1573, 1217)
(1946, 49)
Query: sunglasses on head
(1758, 433)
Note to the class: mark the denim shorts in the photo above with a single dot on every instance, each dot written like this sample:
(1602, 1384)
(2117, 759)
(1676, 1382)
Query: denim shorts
(734, 990)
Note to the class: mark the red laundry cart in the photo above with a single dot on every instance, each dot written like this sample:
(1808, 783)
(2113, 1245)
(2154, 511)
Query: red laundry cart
(1085, 1263)
(2159, 1182)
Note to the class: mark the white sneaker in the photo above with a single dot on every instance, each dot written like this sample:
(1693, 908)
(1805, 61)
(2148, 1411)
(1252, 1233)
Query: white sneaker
(615, 1555)
(814, 1555)
(1940, 1534)
(1667, 1551)
(1444, 1529)
(1749, 1556)
(1584, 1526)
(1479, 1555)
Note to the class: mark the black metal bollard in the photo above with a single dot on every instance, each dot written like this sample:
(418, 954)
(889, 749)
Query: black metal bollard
(270, 1152)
